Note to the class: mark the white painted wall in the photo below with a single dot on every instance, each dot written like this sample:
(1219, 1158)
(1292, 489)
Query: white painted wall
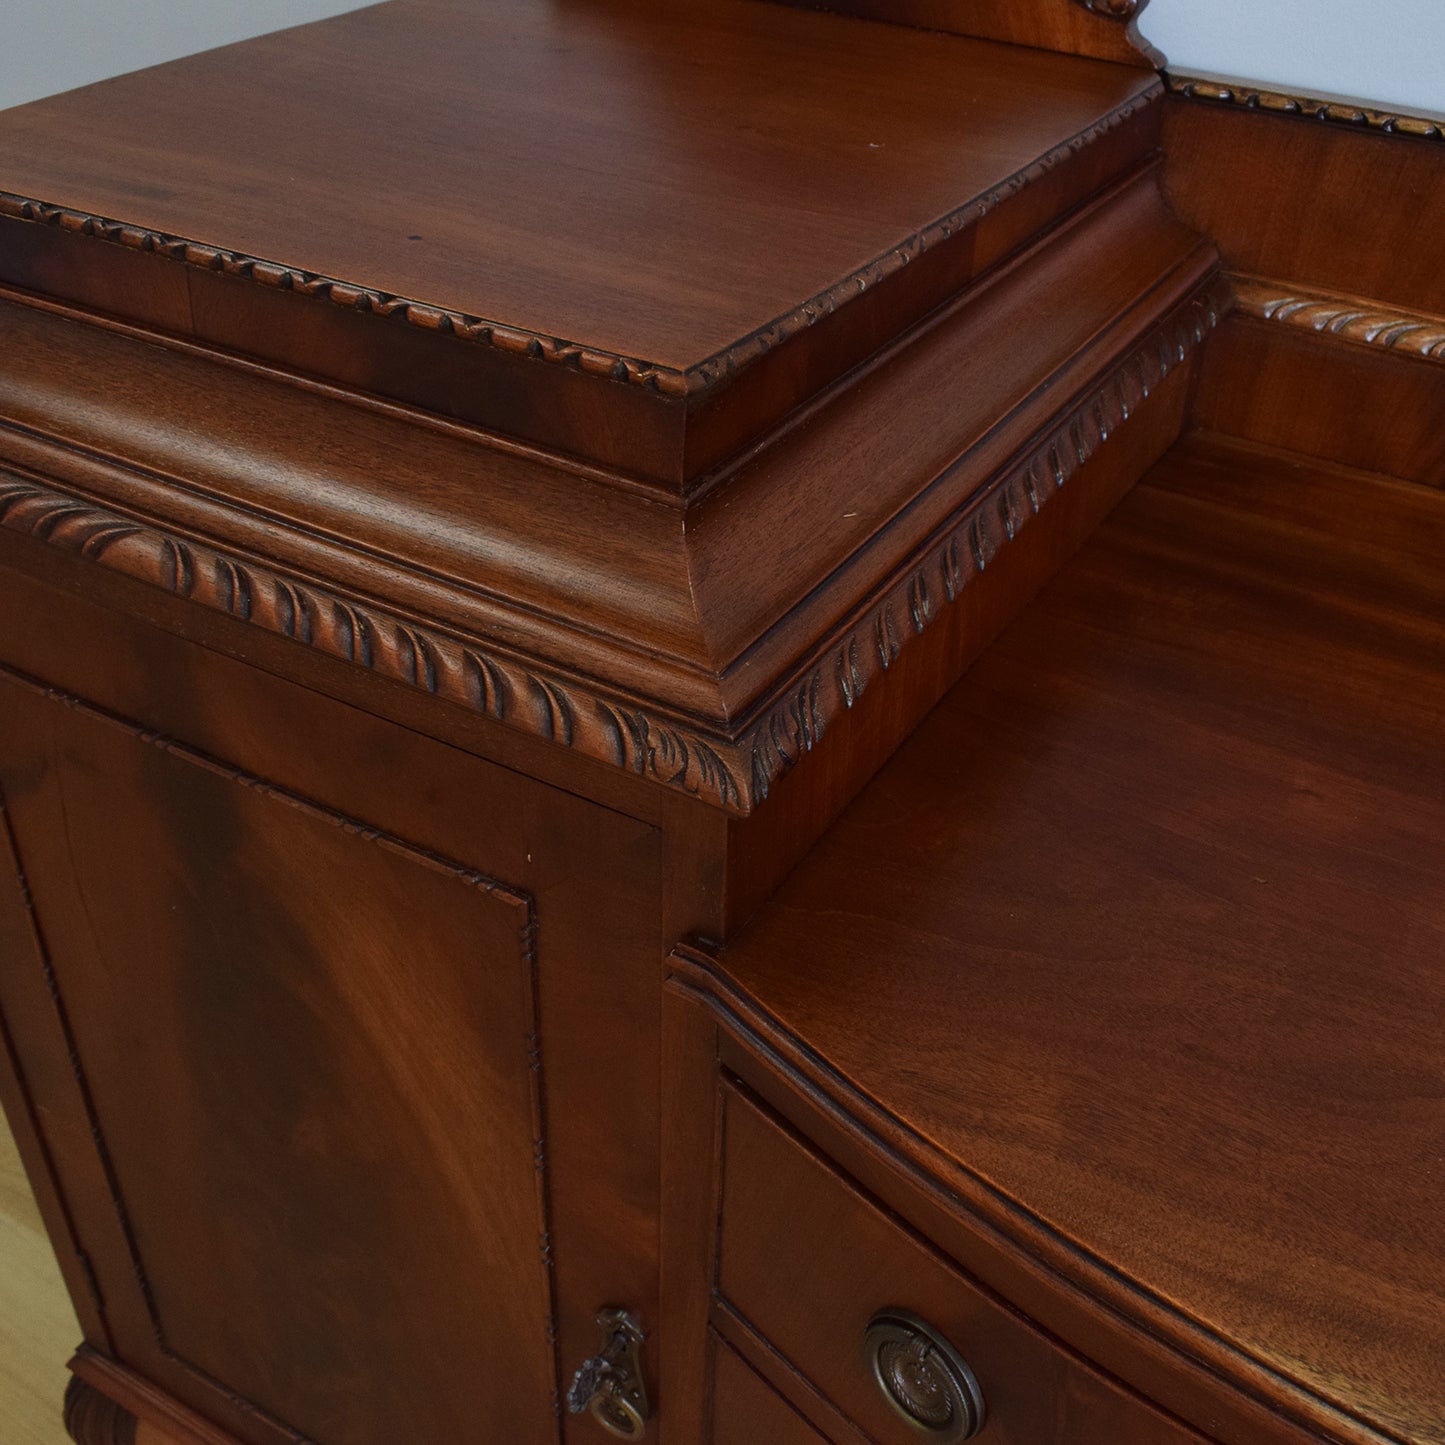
(1391, 51)
(53, 45)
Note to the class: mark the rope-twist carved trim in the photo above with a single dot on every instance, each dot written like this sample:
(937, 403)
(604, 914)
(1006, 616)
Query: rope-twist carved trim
(346, 293)
(521, 342)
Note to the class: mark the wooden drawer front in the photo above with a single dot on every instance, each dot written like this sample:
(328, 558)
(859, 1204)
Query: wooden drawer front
(746, 1411)
(807, 1261)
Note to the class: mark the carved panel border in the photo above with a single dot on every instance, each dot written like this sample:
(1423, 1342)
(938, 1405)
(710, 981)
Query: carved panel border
(1386, 120)
(90, 1416)
(1366, 323)
(733, 771)
(536, 345)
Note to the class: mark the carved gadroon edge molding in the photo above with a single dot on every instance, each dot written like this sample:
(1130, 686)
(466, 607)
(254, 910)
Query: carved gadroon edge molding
(734, 772)
(1366, 323)
(1336, 112)
(517, 341)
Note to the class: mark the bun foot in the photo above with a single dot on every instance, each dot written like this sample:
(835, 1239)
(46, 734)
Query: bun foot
(95, 1419)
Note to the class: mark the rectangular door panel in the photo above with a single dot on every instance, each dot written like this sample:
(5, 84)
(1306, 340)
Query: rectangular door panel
(309, 1054)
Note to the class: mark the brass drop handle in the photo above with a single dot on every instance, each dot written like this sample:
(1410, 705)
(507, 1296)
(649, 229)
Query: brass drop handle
(610, 1386)
(923, 1378)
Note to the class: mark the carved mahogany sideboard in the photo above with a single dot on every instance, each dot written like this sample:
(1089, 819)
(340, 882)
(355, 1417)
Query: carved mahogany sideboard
(723, 723)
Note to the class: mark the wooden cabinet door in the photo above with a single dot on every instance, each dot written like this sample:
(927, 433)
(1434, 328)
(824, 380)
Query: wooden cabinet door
(310, 1173)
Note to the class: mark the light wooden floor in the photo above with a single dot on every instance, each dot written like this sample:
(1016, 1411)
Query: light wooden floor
(38, 1331)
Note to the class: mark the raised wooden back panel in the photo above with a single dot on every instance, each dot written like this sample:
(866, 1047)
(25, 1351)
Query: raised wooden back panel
(1104, 29)
(1327, 215)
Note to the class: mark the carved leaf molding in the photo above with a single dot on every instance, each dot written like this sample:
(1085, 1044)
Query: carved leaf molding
(973, 538)
(1366, 323)
(730, 772)
(358, 632)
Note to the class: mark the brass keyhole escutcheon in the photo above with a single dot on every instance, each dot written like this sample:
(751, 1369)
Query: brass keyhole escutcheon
(610, 1386)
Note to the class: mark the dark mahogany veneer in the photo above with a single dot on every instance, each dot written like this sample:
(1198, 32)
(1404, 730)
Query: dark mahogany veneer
(776, 670)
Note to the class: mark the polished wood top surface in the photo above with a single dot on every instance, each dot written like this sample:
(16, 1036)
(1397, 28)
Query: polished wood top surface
(654, 180)
(1149, 919)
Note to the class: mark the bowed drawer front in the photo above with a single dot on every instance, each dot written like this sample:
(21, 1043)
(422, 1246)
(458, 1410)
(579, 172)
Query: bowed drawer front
(807, 1262)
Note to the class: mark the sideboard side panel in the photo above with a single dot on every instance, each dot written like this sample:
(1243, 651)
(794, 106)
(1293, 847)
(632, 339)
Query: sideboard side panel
(307, 1051)
(37, 1074)
(343, 1040)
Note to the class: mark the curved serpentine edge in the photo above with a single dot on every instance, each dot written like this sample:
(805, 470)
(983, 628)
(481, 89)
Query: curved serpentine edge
(731, 772)
(1367, 323)
(1010, 1230)
(518, 341)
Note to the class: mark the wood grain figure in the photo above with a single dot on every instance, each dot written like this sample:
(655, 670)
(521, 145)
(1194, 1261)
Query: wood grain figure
(721, 722)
